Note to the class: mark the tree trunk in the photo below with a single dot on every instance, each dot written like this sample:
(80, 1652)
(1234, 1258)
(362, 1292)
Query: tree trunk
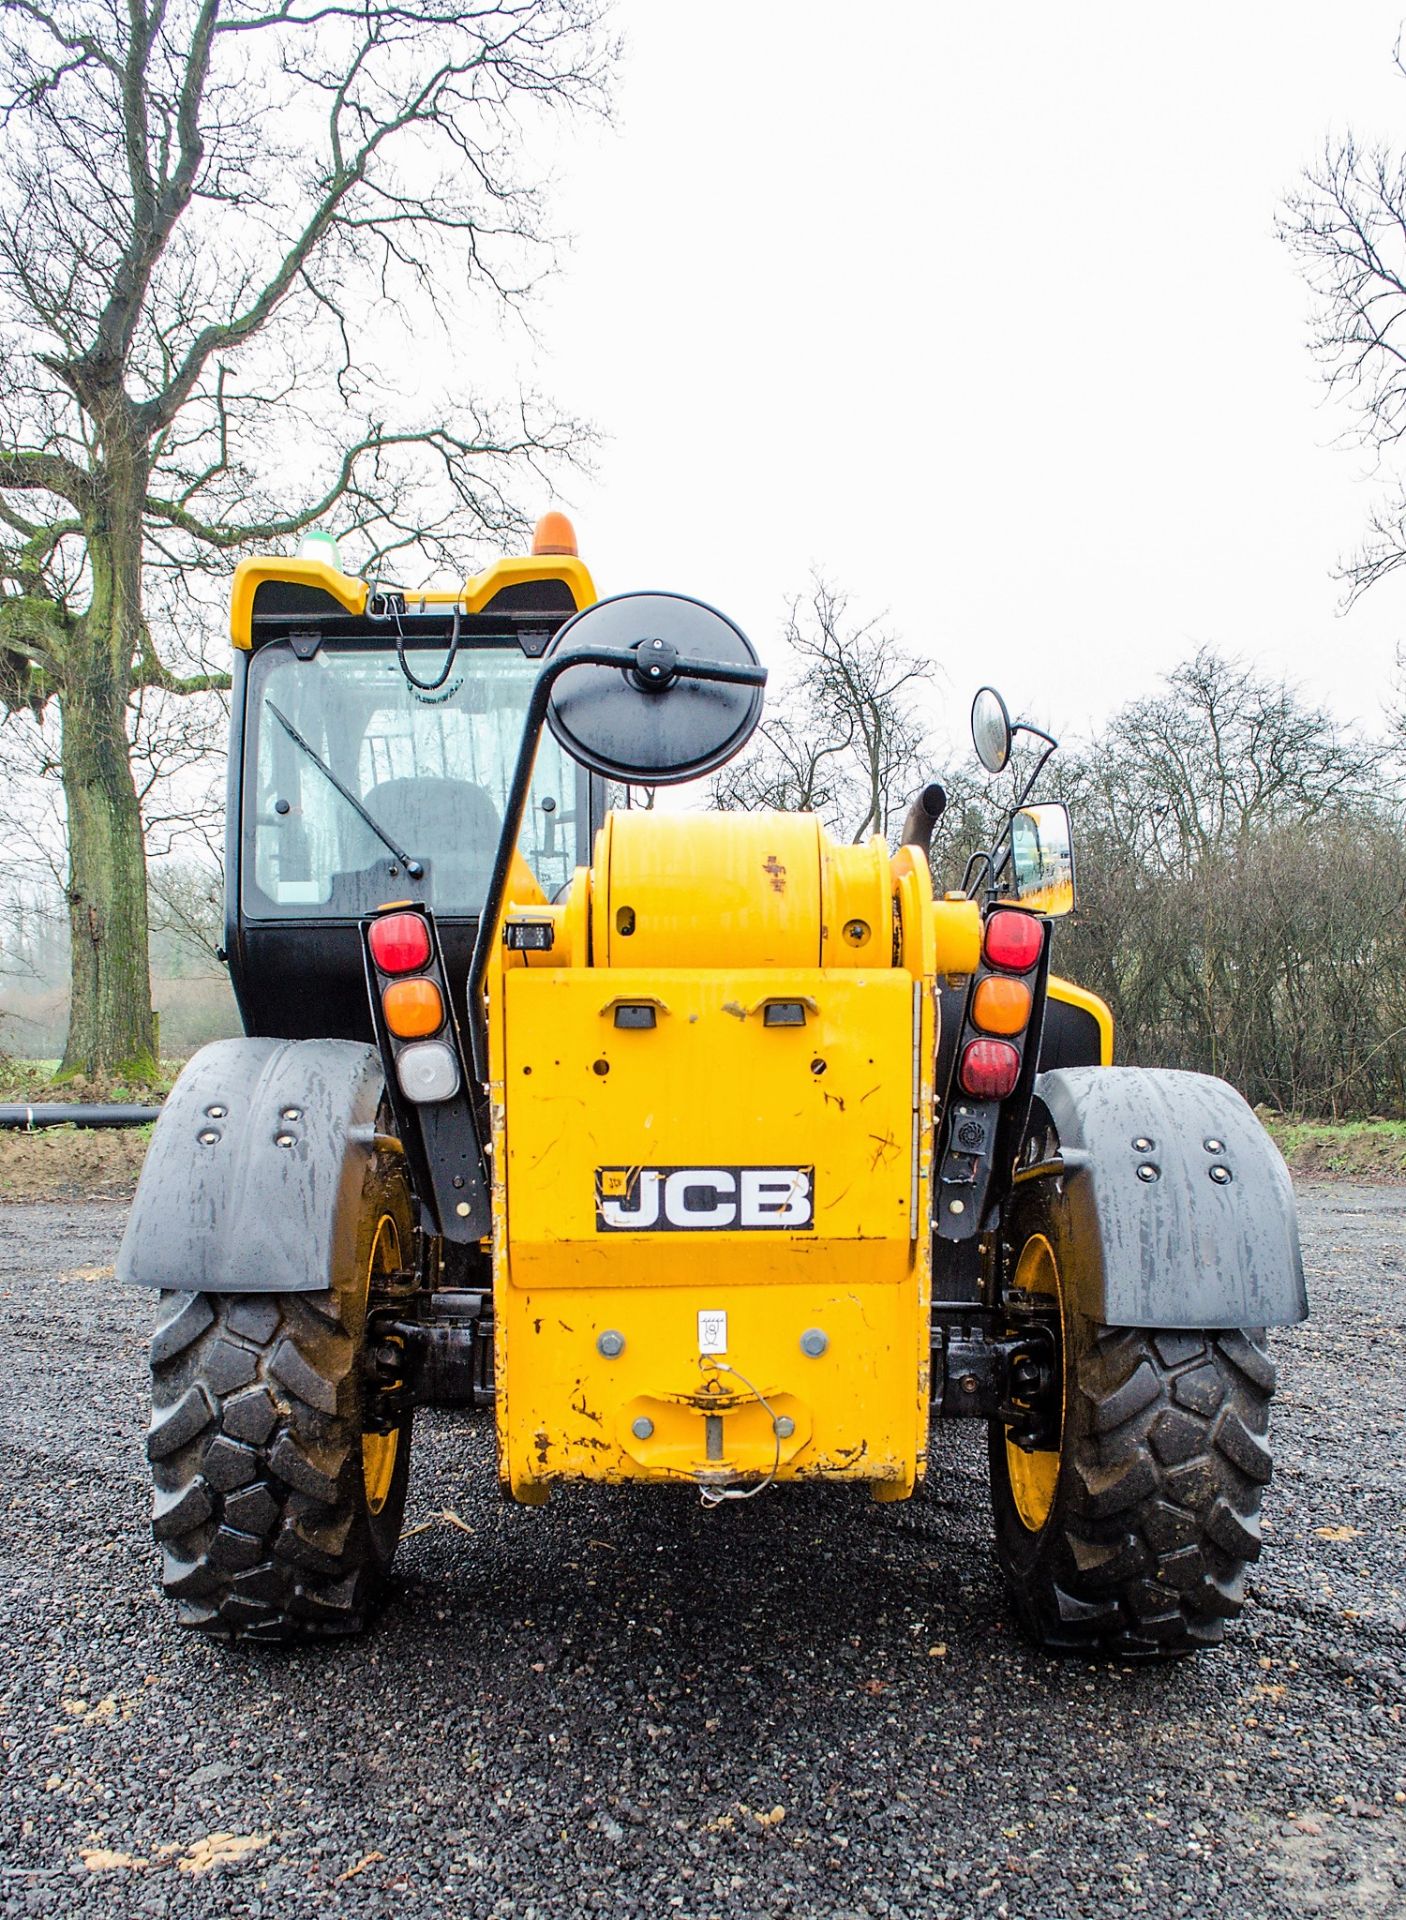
(112, 1028)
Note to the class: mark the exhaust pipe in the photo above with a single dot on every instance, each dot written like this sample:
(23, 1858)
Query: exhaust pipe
(923, 816)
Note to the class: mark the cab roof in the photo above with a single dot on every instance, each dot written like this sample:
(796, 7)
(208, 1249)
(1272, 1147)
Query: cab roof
(275, 594)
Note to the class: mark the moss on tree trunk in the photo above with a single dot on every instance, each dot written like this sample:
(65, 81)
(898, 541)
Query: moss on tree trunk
(112, 1028)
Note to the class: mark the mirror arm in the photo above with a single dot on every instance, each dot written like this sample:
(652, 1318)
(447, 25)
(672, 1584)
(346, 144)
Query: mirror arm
(1005, 846)
(998, 859)
(685, 669)
(516, 804)
(1038, 769)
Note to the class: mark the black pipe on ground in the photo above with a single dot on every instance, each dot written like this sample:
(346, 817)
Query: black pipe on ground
(59, 1113)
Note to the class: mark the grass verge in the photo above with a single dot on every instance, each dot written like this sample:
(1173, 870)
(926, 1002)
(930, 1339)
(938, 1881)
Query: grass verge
(1370, 1150)
(72, 1163)
(33, 1081)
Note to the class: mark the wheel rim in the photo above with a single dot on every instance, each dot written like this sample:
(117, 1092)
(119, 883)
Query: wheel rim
(1033, 1476)
(379, 1450)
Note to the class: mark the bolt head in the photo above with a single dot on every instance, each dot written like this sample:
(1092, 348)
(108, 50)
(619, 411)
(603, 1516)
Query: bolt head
(1147, 1171)
(1142, 1144)
(1221, 1176)
(642, 1428)
(611, 1344)
(814, 1342)
(1214, 1146)
(785, 1426)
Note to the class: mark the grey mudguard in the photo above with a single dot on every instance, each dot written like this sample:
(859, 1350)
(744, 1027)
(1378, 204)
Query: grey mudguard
(1179, 1248)
(221, 1207)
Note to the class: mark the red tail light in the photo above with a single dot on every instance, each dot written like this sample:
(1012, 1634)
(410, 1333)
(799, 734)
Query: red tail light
(990, 1068)
(399, 943)
(1013, 940)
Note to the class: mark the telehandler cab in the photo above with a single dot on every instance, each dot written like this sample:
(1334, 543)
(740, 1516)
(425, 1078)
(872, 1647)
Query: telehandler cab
(700, 1148)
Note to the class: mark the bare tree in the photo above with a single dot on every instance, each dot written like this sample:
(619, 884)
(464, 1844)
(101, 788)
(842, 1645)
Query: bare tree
(846, 734)
(1241, 881)
(1222, 754)
(1346, 224)
(218, 218)
(187, 915)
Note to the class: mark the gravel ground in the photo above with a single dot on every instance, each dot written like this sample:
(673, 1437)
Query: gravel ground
(803, 1705)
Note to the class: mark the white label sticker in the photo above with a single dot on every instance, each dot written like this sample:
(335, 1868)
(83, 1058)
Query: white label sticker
(712, 1332)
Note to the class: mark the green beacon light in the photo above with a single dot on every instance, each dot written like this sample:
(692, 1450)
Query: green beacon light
(318, 544)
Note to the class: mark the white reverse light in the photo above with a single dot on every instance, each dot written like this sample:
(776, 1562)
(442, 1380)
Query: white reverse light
(427, 1072)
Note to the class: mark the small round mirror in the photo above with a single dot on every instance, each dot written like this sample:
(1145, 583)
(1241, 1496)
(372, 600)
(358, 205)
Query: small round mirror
(648, 732)
(991, 730)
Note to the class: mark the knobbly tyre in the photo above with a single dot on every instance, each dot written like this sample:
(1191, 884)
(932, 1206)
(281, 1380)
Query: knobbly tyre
(701, 1148)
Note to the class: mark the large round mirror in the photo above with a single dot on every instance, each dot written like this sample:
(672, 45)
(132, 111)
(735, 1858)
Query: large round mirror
(991, 730)
(648, 726)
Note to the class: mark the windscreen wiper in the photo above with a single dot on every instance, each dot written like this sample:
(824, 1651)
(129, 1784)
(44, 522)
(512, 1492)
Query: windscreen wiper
(413, 867)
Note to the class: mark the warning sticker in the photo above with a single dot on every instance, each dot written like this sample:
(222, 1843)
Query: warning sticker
(712, 1330)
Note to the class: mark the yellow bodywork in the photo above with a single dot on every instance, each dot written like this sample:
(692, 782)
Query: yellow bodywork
(1098, 1010)
(251, 574)
(351, 594)
(712, 1260)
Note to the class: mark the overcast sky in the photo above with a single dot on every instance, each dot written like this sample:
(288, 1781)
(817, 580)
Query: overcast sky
(980, 311)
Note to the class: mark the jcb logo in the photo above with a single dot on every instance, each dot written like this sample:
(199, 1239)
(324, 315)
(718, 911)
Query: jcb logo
(700, 1199)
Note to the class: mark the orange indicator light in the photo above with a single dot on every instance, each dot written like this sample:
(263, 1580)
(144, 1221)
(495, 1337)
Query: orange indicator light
(413, 1008)
(1001, 1005)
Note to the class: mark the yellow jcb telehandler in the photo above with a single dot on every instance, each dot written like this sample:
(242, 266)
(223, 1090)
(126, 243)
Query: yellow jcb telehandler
(701, 1149)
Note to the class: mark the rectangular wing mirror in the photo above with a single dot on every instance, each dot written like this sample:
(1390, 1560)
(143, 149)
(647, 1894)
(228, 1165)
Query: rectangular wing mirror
(1042, 859)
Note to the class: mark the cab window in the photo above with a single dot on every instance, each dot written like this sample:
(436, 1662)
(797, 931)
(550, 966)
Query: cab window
(348, 768)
